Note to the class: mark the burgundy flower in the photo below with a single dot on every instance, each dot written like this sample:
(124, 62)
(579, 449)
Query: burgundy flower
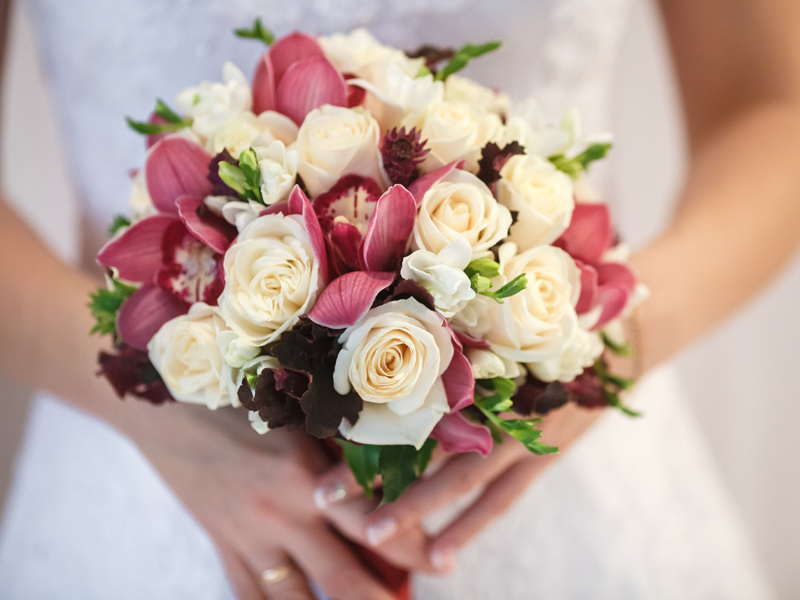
(402, 152)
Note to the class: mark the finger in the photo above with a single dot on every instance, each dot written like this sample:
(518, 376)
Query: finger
(241, 577)
(273, 571)
(456, 478)
(332, 565)
(335, 485)
(408, 549)
(493, 502)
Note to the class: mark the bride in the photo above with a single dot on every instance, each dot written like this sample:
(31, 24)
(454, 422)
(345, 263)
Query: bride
(117, 500)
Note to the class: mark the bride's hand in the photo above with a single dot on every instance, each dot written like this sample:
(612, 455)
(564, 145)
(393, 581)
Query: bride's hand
(502, 476)
(254, 495)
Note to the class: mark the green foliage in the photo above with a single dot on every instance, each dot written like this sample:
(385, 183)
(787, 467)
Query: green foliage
(174, 121)
(618, 349)
(256, 32)
(423, 71)
(104, 305)
(244, 179)
(523, 430)
(480, 272)
(120, 222)
(462, 57)
(574, 166)
(399, 466)
(613, 386)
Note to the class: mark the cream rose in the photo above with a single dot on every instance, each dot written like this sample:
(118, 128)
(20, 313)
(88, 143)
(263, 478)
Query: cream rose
(455, 131)
(185, 353)
(473, 319)
(394, 358)
(535, 324)
(460, 206)
(442, 275)
(580, 352)
(335, 141)
(353, 52)
(542, 197)
(488, 365)
(271, 279)
(464, 89)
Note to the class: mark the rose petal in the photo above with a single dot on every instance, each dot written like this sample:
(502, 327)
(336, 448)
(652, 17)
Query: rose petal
(290, 49)
(588, 288)
(176, 167)
(308, 84)
(300, 205)
(424, 183)
(458, 381)
(143, 314)
(456, 433)
(589, 233)
(391, 225)
(136, 253)
(214, 231)
(264, 85)
(348, 298)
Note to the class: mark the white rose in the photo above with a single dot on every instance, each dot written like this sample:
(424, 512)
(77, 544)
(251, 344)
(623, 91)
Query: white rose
(534, 325)
(335, 141)
(460, 206)
(353, 52)
(542, 197)
(212, 104)
(473, 319)
(442, 275)
(246, 130)
(455, 131)
(488, 365)
(464, 89)
(580, 352)
(271, 279)
(394, 358)
(185, 352)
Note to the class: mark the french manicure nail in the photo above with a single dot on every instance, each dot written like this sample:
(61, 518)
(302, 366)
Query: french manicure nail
(327, 495)
(443, 560)
(381, 531)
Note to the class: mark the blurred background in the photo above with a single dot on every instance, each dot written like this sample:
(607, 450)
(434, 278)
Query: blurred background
(740, 378)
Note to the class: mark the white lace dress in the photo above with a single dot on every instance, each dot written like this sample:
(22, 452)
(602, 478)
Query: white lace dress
(634, 511)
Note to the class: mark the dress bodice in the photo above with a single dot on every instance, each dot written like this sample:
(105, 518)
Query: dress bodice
(111, 59)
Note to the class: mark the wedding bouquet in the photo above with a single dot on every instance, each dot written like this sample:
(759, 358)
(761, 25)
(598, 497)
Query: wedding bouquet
(364, 244)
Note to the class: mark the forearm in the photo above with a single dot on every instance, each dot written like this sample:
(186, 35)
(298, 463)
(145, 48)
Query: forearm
(737, 224)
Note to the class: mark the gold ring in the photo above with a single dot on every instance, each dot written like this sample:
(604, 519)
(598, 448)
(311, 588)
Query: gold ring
(270, 576)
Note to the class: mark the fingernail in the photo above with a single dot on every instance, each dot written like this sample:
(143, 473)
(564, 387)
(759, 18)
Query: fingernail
(381, 531)
(444, 560)
(327, 495)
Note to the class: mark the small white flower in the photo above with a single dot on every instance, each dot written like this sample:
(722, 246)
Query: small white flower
(488, 365)
(140, 203)
(580, 352)
(464, 89)
(442, 275)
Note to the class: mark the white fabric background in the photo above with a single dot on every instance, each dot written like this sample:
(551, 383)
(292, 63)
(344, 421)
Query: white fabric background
(739, 378)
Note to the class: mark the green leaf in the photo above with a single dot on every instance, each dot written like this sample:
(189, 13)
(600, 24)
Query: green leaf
(574, 166)
(256, 32)
(614, 401)
(146, 128)
(618, 349)
(119, 222)
(363, 461)
(525, 431)
(166, 113)
(248, 163)
(612, 386)
(424, 455)
(104, 305)
(423, 71)
(233, 177)
(462, 57)
(515, 286)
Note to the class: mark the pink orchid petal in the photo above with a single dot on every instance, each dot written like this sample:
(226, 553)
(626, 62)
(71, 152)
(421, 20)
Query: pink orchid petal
(300, 205)
(424, 183)
(308, 84)
(471, 342)
(348, 298)
(143, 314)
(391, 225)
(612, 298)
(352, 197)
(136, 253)
(274, 209)
(176, 167)
(458, 381)
(589, 233)
(290, 49)
(346, 241)
(214, 231)
(588, 288)
(264, 85)
(456, 433)
(618, 274)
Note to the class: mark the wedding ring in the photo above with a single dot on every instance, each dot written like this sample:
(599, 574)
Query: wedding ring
(271, 576)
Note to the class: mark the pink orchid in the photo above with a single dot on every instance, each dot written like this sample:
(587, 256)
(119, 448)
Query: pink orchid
(293, 77)
(177, 254)
(604, 285)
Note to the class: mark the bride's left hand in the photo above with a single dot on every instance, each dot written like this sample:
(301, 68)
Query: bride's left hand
(502, 476)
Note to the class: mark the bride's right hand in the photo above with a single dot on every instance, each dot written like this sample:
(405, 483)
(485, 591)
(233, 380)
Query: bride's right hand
(254, 495)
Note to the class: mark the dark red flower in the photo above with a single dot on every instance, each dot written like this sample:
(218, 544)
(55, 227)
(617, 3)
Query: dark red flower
(402, 153)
